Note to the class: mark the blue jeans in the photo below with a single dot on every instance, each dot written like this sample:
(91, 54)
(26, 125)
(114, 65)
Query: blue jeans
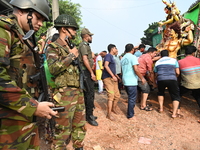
(132, 95)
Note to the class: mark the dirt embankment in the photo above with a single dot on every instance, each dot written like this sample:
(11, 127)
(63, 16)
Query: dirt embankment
(152, 131)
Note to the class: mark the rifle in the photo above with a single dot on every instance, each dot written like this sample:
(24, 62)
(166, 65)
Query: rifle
(83, 78)
(40, 78)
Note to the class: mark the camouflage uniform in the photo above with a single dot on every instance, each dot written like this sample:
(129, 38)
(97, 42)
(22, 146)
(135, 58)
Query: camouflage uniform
(17, 129)
(71, 122)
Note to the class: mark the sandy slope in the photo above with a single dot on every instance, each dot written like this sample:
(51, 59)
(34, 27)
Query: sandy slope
(161, 131)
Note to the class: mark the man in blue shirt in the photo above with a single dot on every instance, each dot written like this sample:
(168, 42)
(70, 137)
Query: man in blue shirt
(110, 80)
(167, 70)
(130, 74)
(140, 50)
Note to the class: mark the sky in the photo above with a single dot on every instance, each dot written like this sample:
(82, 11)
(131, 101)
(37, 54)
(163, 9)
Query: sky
(121, 22)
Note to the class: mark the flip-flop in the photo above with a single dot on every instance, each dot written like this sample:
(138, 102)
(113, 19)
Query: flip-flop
(149, 105)
(147, 108)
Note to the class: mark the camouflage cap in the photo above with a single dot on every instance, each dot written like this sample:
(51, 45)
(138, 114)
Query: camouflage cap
(65, 20)
(86, 31)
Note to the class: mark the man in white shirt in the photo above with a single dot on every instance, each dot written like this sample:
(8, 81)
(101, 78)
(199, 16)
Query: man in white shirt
(99, 68)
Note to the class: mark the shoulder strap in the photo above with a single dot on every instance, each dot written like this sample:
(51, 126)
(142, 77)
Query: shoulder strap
(57, 45)
(53, 45)
(12, 25)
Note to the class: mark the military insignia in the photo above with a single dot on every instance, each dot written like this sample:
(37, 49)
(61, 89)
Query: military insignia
(6, 19)
(57, 97)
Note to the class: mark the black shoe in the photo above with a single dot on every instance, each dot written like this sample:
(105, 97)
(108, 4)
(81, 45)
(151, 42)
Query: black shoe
(92, 122)
(93, 117)
(81, 148)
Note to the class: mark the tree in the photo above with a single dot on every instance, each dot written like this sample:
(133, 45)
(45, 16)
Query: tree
(147, 40)
(65, 7)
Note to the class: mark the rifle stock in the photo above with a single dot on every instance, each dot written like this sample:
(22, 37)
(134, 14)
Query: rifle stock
(86, 87)
(41, 80)
(40, 77)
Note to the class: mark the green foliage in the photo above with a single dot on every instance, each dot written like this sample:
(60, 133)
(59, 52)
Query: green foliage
(147, 40)
(65, 7)
(44, 28)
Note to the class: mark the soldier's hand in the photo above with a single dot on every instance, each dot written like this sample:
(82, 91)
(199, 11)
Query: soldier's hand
(93, 77)
(44, 110)
(74, 51)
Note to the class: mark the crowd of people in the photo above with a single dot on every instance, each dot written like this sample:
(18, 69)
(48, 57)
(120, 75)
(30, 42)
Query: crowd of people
(145, 70)
(74, 73)
(156, 70)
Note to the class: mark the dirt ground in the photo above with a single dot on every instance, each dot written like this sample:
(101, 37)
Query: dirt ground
(152, 131)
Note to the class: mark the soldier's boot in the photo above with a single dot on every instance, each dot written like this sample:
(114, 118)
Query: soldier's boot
(93, 117)
(91, 120)
(81, 148)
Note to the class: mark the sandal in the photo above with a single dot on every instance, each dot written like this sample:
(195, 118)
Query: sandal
(149, 105)
(147, 108)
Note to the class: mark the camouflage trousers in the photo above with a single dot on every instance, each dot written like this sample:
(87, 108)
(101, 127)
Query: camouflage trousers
(71, 122)
(18, 135)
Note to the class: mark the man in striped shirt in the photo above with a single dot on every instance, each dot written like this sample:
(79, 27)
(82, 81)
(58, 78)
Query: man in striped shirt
(190, 73)
(166, 71)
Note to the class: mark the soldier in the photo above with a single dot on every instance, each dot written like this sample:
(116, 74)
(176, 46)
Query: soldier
(18, 96)
(87, 64)
(61, 61)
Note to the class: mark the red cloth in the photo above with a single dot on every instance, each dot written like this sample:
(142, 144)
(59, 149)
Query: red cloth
(145, 63)
(94, 64)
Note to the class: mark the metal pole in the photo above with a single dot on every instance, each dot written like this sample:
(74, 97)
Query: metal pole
(55, 9)
(55, 13)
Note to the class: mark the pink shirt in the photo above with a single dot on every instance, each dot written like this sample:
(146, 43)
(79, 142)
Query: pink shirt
(145, 64)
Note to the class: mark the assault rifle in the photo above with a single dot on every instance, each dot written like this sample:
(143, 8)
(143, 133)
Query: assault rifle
(40, 77)
(83, 79)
